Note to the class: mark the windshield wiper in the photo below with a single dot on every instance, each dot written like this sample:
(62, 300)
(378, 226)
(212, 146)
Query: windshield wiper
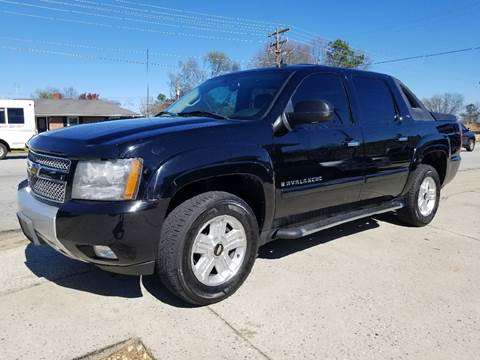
(202, 113)
(165, 113)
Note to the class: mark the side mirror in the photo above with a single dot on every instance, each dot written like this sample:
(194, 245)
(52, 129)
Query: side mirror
(311, 111)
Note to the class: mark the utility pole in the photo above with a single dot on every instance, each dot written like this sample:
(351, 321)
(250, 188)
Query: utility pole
(148, 85)
(276, 46)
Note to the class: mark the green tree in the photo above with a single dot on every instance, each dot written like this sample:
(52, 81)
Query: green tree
(46, 93)
(339, 53)
(471, 114)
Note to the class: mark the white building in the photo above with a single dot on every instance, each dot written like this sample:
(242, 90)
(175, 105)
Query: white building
(17, 124)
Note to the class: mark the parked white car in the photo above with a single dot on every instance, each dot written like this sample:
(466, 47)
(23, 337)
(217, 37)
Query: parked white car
(17, 124)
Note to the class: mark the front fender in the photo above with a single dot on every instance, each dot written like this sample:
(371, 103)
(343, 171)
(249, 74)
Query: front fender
(204, 163)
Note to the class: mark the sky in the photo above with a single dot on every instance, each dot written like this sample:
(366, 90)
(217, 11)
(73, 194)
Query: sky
(100, 46)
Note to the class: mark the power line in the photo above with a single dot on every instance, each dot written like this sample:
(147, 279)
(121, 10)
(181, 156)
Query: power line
(37, 51)
(123, 27)
(264, 24)
(135, 14)
(424, 56)
(84, 46)
(204, 20)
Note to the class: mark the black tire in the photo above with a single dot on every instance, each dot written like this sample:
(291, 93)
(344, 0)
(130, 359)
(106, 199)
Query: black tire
(471, 145)
(3, 151)
(182, 225)
(411, 214)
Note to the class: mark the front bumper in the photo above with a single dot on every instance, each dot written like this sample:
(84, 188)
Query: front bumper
(130, 229)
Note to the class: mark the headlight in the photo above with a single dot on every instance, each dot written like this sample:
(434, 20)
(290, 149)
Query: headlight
(107, 180)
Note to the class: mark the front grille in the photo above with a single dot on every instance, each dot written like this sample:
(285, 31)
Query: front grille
(51, 162)
(47, 176)
(49, 189)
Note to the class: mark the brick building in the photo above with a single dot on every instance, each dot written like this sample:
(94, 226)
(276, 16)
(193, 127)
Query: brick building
(51, 114)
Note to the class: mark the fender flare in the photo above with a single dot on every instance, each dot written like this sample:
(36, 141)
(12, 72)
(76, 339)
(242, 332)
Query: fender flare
(427, 145)
(201, 164)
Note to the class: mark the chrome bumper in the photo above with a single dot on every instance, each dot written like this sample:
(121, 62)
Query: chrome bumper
(37, 221)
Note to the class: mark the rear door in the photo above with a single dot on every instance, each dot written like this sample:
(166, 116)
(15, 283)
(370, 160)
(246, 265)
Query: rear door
(388, 142)
(319, 165)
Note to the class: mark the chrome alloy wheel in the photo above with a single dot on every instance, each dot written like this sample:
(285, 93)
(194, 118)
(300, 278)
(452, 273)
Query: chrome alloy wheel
(427, 196)
(218, 250)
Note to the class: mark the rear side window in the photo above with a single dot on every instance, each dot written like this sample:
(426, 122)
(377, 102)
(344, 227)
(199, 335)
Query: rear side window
(16, 116)
(2, 115)
(417, 109)
(327, 87)
(375, 101)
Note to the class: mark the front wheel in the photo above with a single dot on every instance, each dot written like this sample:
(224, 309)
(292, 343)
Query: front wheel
(207, 248)
(3, 151)
(471, 145)
(421, 201)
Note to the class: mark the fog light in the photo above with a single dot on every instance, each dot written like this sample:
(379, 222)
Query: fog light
(104, 252)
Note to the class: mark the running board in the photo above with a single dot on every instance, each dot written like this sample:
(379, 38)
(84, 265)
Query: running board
(334, 220)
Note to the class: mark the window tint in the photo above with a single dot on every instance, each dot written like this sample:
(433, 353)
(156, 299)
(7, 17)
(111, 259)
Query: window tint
(2, 116)
(327, 87)
(15, 116)
(418, 111)
(412, 100)
(375, 101)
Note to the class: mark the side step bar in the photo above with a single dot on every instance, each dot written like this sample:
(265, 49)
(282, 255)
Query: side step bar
(334, 220)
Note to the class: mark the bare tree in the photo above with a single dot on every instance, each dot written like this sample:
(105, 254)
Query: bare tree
(70, 93)
(219, 63)
(448, 103)
(317, 51)
(189, 75)
(293, 53)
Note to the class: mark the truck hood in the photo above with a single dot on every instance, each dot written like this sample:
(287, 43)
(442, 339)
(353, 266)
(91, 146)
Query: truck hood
(111, 134)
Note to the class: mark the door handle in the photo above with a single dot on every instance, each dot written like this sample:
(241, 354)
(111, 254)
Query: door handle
(402, 138)
(353, 143)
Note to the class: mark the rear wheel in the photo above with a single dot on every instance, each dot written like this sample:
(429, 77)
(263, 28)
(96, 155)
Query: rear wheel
(3, 151)
(208, 246)
(421, 202)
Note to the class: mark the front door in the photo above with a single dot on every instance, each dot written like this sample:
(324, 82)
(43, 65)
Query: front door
(318, 165)
(388, 142)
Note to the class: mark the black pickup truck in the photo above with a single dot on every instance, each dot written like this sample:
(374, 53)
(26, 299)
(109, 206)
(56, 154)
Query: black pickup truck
(241, 160)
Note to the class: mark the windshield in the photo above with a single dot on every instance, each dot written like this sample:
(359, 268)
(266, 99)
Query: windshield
(237, 96)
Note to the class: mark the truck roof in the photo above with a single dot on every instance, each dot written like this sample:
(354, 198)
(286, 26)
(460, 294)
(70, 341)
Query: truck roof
(314, 67)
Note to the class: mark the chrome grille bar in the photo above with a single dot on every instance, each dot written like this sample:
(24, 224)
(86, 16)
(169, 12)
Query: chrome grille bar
(52, 162)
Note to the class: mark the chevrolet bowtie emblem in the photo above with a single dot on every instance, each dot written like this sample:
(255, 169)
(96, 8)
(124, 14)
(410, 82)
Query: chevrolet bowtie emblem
(33, 169)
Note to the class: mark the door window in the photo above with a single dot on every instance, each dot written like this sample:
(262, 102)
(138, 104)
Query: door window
(2, 115)
(327, 87)
(72, 120)
(15, 116)
(376, 104)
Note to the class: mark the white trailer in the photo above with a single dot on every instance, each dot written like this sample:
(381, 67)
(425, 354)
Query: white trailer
(17, 124)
